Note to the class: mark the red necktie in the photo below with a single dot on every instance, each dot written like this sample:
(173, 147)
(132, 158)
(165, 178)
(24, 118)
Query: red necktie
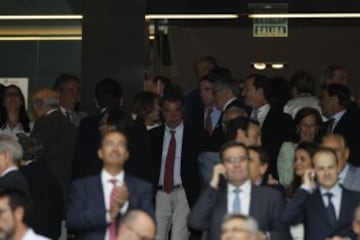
(208, 121)
(112, 227)
(169, 164)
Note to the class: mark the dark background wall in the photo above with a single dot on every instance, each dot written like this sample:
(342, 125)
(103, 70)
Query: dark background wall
(307, 47)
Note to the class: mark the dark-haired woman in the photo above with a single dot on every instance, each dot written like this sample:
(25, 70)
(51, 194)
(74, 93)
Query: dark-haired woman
(15, 118)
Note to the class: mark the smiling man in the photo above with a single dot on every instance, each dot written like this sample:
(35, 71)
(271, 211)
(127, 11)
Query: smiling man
(97, 202)
(236, 194)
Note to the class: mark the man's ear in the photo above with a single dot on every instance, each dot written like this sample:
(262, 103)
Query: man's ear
(99, 153)
(240, 135)
(19, 214)
(263, 168)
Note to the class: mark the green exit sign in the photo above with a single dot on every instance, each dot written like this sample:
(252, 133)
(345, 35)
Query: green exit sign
(270, 27)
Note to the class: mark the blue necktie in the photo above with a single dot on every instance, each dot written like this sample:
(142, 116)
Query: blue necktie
(237, 203)
(331, 209)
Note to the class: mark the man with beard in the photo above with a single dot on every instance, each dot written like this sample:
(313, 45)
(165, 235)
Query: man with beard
(97, 202)
(14, 211)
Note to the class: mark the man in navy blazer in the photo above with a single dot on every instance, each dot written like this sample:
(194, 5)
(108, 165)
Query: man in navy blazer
(326, 211)
(97, 202)
(237, 195)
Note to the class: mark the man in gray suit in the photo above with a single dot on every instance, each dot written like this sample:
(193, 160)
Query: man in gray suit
(349, 176)
(237, 194)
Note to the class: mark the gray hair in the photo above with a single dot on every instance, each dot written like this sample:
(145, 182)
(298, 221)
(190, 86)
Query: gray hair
(223, 85)
(251, 224)
(10, 145)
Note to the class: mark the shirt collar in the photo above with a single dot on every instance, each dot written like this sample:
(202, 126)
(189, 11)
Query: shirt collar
(179, 127)
(337, 116)
(335, 190)
(10, 169)
(106, 177)
(245, 187)
(51, 111)
(343, 173)
(228, 102)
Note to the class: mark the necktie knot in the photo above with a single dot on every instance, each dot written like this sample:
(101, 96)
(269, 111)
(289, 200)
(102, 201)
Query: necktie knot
(172, 132)
(255, 115)
(329, 195)
(209, 111)
(331, 123)
(113, 181)
(237, 191)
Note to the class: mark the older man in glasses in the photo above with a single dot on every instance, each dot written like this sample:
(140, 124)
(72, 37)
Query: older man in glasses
(231, 191)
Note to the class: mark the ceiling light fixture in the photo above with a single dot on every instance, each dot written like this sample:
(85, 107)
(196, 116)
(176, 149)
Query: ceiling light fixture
(41, 38)
(41, 17)
(304, 15)
(259, 66)
(191, 16)
(277, 65)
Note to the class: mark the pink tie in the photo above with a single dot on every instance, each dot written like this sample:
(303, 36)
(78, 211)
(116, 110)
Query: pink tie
(112, 227)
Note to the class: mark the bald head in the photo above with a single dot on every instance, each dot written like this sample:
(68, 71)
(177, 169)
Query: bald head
(137, 224)
(337, 143)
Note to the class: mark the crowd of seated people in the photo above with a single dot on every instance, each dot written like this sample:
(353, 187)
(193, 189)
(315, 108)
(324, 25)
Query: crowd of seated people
(267, 159)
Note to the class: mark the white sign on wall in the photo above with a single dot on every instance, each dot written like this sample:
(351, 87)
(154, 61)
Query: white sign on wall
(22, 83)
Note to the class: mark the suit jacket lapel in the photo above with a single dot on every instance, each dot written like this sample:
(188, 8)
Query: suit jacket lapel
(345, 210)
(99, 193)
(321, 209)
(255, 201)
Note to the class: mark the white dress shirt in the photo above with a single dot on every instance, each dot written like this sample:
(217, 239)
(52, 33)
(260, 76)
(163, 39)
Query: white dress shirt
(179, 131)
(262, 112)
(107, 188)
(336, 198)
(228, 102)
(31, 235)
(245, 193)
(10, 169)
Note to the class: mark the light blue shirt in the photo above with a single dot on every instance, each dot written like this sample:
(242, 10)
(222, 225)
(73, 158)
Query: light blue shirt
(215, 115)
(336, 198)
(179, 131)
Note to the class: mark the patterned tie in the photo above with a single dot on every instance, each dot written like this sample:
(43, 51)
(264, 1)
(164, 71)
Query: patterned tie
(331, 209)
(169, 164)
(112, 227)
(237, 203)
(68, 115)
(208, 121)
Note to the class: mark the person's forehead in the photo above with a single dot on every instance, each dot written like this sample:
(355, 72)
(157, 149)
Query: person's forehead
(238, 222)
(235, 150)
(114, 136)
(324, 158)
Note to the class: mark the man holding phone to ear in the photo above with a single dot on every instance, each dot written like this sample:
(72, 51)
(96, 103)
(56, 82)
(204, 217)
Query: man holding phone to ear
(231, 191)
(323, 206)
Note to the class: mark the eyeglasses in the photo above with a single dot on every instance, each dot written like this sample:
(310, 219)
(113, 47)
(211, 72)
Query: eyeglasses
(138, 234)
(236, 159)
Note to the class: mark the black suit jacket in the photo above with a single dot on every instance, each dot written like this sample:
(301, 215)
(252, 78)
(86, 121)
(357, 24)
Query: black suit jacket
(349, 127)
(218, 136)
(57, 136)
(15, 179)
(86, 161)
(277, 128)
(48, 199)
(310, 209)
(192, 146)
(266, 206)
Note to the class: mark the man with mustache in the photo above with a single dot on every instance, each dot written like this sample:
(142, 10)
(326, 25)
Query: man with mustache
(97, 202)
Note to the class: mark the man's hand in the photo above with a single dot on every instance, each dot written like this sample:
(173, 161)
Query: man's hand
(308, 178)
(121, 196)
(218, 170)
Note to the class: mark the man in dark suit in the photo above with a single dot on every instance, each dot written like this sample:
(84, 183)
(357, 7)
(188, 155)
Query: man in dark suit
(343, 118)
(226, 96)
(176, 147)
(45, 189)
(108, 95)
(237, 195)
(10, 156)
(276, 126)
(56, 134)
(96, 202)
(327, 210)
(68, 87)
